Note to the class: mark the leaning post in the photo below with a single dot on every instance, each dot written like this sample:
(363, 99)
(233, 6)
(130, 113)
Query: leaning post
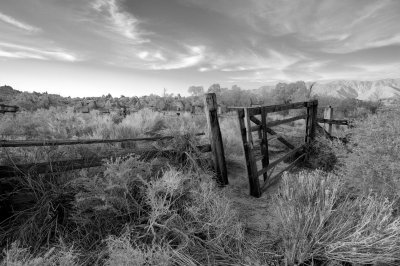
(217, 147)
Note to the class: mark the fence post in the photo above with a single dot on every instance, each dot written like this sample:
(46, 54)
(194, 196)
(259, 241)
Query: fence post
(218, 155)
(314, 113)
(312, 109)
(328, 114)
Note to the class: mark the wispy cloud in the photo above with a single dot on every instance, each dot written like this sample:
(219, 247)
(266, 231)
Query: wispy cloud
(194, 56)
(118, 20)
(10, 50)
(19, 24)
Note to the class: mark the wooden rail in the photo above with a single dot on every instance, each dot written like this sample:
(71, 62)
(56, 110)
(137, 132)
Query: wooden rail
(215, 146)
(246, 116)
(93, 161)
(38, 143)
(342, 122)
(8, 108)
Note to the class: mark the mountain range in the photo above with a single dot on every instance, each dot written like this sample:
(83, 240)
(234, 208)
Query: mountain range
(362, 90)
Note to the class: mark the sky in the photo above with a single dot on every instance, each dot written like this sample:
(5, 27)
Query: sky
(138, 47)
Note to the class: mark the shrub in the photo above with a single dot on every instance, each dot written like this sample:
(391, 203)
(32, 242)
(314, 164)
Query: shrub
(324, 154)
(316, 221)
(18, 256)
(373, 163)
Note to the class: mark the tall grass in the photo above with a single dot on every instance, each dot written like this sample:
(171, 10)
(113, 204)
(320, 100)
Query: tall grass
(317, 222)
(158, 214)
(127, 212)
(373, 163)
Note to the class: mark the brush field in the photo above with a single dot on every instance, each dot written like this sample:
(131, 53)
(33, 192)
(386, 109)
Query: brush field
(340, 207)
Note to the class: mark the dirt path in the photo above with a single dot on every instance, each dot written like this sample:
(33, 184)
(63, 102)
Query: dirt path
(256, 213)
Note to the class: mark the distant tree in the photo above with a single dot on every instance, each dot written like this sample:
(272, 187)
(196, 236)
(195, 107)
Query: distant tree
(215, 88)
(286, 93)
(196, 90)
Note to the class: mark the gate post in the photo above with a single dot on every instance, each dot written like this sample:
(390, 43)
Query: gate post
(214, 131)
(314, 111)
(251, 165)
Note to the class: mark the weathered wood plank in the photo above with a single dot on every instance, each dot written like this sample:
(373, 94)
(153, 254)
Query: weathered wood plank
(308, 126)
(314, 114)
(276, 178)
(8, 108)
(211, 111)
(264, 143)
(281, 139)
(38, 143)
(250, 163)
(274, 163)
(94, 161)
(284, 121)
(275, 108)
(271, 132)
(333, 121)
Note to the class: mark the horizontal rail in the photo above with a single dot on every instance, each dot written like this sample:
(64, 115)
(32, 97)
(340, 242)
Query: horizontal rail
(76, 164)
(276, 108)
(8, 106)
(333, 121)
(276, 122)
(274, 163)
(39, 143)
(284, 121)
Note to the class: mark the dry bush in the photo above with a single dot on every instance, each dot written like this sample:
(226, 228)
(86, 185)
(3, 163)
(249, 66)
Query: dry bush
(373, 164)
(316, 221)
(18, 256)
(190, 214)
(168, 213)
(40, 208)
(121, 252)
(325, 154)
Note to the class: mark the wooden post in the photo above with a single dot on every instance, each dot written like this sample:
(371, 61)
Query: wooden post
(308, 119)
(314, 112)
(248, 153)
(312, 109)
(328, 114)
(217, 147)
(264, 142)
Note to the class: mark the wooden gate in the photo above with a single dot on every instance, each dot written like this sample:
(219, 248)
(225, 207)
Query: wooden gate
(254, 119)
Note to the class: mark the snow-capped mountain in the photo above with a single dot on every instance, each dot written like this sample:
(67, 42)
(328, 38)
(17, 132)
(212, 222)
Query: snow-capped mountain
(362, 90)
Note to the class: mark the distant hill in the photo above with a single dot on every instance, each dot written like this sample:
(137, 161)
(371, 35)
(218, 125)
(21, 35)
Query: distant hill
(362, 90)
(7, 93)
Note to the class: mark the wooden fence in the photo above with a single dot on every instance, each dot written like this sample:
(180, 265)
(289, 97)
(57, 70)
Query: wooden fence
(254, 119)
(328, 123)
(8, 108)
(215, 147)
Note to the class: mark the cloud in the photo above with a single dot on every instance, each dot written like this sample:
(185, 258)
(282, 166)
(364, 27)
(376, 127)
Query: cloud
(119, 21)
(16, 23)
(10, 50)
(194, 56)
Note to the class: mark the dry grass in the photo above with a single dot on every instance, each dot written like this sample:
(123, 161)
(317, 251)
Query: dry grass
(18, 256)
(316, 221)
(373, 164)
